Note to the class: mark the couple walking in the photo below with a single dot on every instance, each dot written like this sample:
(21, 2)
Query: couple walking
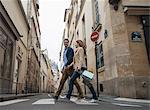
(74, 65)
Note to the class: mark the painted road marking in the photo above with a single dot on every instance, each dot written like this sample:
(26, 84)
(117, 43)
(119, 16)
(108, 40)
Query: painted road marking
(132, 100)
(12, 102)
(49, 95)
(44, 101)
(126, 105)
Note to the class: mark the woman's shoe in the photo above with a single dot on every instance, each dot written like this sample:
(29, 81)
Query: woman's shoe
(93, 101)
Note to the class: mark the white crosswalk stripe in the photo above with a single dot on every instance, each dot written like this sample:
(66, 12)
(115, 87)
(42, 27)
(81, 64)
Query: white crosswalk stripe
(49, 95)
(133, 100)
(44, 101)
(126, 105)
(12, 102)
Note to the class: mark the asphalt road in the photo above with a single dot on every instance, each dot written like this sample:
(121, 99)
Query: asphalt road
(45, 102)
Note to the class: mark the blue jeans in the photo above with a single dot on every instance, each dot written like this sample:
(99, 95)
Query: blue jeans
(74, 76)
(90, 86)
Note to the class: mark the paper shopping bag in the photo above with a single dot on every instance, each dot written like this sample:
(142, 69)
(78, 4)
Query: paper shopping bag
(87, 74)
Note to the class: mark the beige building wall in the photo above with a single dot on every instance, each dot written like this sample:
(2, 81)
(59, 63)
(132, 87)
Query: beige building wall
(50, 84)
(126, 63)
(44, 73)
(34, 45)
(26, 13)
(35, 30)
(15, 11)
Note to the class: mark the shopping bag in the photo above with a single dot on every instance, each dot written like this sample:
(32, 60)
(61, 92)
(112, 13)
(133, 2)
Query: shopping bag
(87, 74)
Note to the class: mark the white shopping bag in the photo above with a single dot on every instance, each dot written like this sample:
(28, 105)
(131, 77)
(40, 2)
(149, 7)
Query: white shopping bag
(87, 74)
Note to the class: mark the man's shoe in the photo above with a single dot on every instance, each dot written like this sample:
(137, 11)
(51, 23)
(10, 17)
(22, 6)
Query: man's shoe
(55, 97)
(80, 98)
(66, 99)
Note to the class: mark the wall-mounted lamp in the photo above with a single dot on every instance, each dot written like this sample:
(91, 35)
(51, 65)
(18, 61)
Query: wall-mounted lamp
(114, 3)
(106, 34)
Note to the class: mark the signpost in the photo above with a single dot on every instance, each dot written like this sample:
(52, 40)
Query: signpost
(94, 38)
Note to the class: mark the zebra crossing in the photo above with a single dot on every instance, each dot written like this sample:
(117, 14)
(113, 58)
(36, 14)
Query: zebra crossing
(46, 101)
(50, 101)
(73, 99)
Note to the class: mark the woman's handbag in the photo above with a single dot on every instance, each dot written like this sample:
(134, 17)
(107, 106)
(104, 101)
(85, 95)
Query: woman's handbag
(88, 75)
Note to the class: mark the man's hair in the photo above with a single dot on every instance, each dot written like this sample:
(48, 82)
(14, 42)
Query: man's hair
(66, 39)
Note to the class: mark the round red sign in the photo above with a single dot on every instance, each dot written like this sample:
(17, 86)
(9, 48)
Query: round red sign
(94, 36)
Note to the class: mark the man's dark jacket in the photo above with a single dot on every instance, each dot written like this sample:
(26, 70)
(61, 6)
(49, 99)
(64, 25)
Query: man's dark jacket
(69, 55)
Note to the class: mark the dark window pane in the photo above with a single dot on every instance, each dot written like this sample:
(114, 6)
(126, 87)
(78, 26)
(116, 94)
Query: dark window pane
(100, 59)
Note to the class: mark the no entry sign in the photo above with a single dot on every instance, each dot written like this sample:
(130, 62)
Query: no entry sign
(94, 36)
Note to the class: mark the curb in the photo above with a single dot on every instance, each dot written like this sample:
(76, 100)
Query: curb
(15, 97)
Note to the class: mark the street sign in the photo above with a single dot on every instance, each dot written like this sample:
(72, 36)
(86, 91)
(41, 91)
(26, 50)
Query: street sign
(94, 36)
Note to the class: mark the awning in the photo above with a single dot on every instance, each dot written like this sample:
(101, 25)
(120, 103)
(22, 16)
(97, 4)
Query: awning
(137, 10)
(136, 7)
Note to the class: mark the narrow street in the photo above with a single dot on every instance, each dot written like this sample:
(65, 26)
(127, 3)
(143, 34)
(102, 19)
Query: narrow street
(45, 102)
(95, 50)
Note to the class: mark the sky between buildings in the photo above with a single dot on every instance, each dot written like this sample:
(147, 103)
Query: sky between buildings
(52, 25)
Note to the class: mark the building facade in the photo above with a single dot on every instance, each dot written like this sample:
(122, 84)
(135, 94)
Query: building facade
(34, 46)
(50, 83)
(46, 76)
(23, 55)
(20, 62)
(120, 59)
(8, 36)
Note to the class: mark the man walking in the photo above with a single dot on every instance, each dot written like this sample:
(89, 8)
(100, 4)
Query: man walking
(67, 70)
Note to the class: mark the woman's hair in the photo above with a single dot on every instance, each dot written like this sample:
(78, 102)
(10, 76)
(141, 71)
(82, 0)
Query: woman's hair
(81, 44)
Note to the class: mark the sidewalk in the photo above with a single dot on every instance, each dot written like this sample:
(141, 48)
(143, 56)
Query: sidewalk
(120, 99)
(5, 97)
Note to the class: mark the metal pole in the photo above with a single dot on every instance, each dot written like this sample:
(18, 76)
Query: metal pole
(96, 70)
(17, 85)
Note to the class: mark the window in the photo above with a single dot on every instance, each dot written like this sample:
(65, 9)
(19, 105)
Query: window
(77, 35)
(96, 11)
(100, 58)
